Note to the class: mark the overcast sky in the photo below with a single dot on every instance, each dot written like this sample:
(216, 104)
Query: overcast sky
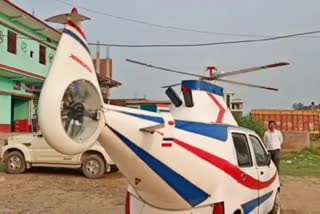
(297, 82)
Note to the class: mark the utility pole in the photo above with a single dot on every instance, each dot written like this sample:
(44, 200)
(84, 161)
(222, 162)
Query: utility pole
(98, 58)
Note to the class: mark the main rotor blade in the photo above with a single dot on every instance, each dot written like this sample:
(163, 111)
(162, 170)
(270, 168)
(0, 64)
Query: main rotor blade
(173, 85)
(72, 129)
(247, 70)
(247, 84)
(166, 69)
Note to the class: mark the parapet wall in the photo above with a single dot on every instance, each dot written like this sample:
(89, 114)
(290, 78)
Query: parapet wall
(295, 141)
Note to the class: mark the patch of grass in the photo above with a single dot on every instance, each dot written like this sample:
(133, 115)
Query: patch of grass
(305, 163)
(315, 143)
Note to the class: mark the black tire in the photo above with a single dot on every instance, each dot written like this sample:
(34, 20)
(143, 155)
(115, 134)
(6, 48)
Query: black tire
(14, 163)
(276, 205)
(93, 166)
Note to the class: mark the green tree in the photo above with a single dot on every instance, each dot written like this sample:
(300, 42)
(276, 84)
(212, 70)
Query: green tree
(250, 123)
(299, 106)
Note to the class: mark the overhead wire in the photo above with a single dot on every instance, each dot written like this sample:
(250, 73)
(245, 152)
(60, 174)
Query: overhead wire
(164, 26)
(208, 44)
(196, 44)
(260, 39)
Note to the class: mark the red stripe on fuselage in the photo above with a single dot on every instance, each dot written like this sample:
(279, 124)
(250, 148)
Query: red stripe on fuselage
(222, 110)
(77, 28)
(80, 62)
(232, 170)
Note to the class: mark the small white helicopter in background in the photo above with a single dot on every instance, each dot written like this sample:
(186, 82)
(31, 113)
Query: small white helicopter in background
(190, 157)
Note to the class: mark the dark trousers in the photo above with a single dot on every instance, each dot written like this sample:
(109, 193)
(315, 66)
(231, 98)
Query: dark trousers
(276, 157)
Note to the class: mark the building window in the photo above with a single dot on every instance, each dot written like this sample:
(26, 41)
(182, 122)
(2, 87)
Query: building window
(12, 42)
(42, 55)
(242, 150)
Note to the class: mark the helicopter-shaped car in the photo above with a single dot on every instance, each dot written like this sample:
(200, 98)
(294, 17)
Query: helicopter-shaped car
(190, 157)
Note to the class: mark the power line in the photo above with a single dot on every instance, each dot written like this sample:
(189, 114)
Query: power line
(163, 26)
(208, 44)
(192, 45)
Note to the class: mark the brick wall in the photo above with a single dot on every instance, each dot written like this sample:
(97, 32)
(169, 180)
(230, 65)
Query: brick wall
(295, 141)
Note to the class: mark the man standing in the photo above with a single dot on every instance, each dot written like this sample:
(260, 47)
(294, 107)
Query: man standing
(273, 140)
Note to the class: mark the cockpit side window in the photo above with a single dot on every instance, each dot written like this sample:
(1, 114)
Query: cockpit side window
(259, 151)
(242, 149)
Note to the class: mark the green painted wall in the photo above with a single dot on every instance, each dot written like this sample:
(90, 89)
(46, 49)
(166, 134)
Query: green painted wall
(20, 109)
(7, 86)
(22, 59)
(5, 109)
(13, 108)
(134, 106)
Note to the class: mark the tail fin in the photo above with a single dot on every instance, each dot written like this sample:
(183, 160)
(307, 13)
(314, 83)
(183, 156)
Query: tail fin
(64, 18)
(70, 102)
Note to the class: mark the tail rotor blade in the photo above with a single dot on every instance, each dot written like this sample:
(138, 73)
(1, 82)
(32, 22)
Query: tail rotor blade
(247, 84)
(68, 99)
(247, 70)
(74, 128)
(67, 124)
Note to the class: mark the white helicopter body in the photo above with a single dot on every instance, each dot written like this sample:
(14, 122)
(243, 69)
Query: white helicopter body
(182, 159)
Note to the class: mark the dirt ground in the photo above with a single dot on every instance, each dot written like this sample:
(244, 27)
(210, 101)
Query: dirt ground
(61, 191)
(67, 191)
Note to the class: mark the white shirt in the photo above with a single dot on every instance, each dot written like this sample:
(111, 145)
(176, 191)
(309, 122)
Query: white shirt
(273, 140)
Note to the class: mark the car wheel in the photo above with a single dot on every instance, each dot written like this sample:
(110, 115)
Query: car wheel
(93, 166)
(277, 205)
(15, 163)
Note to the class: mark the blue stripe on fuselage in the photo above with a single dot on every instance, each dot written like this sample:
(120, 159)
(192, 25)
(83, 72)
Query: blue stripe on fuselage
(251, 205)
(73, 35)
(145, 117)
(188, 191)
(203, 86)
(216, 131)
